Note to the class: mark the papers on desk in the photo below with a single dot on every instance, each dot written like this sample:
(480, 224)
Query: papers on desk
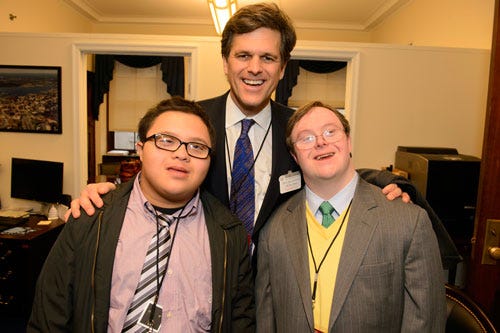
(13, 214)
(118, 152)
(12, 218)
(18, 231)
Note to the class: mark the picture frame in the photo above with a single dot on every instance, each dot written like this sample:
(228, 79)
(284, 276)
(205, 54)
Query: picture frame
(30, 99)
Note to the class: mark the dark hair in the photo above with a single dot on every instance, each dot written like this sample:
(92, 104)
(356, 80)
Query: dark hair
(260, 15)
(302, 111)
(179, 104)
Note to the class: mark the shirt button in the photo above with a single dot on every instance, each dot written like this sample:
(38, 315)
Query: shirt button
(169, 314)
(169, 272)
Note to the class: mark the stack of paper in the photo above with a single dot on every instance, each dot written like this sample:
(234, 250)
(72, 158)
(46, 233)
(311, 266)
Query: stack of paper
(9, 213)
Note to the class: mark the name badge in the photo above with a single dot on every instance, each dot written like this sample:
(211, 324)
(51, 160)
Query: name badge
(151, 318)
(290, 182)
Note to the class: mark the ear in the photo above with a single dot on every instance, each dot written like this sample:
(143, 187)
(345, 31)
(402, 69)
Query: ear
(224, 64)
(282, 71)
(294, 157)
(139, 146)
(349, 145)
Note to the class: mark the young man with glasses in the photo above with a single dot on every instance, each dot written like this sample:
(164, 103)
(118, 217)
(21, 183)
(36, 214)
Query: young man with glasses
(161, 254)
(338, 256)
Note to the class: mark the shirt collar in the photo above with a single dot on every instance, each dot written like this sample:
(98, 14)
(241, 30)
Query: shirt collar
(234, 114)
(137, 196)
(339, 201)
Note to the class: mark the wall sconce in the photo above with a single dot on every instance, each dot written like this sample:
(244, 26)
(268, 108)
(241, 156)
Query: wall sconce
(221, 11)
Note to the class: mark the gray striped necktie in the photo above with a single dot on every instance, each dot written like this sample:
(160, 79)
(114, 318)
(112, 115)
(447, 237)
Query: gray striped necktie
(150, 280)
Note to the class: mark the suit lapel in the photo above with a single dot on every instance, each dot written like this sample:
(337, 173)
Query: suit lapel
(296, 239)
(359, 232)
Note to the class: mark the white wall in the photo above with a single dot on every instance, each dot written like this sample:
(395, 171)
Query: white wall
(400, 95)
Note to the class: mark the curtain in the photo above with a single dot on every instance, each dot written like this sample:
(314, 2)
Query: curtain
(289, 80)
(172, 69)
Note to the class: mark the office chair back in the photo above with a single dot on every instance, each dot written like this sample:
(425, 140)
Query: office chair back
(464, 315)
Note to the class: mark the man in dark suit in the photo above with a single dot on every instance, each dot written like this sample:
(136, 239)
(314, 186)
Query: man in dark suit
(256, 45)
(338, 256)
(279, 161)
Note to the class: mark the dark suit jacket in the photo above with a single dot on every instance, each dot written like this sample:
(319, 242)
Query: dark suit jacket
(389, 276)
(216, 180)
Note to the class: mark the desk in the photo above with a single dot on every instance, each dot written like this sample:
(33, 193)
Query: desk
(21, 259)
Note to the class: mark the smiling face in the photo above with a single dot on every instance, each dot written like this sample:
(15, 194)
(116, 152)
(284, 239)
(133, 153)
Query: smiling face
(254, 68)
(327, 166)
(170, 179)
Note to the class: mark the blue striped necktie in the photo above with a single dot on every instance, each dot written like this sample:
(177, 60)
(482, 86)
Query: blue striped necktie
(242, 200)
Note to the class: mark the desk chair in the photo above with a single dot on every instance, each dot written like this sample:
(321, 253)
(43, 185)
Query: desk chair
(464, 315)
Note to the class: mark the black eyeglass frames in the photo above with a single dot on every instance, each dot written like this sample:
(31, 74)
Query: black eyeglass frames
(171, 143)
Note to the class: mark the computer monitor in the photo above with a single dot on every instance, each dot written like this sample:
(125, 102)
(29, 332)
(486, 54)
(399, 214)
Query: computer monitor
(36, 180)
(125, 140)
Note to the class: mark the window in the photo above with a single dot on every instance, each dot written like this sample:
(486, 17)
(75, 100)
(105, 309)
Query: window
(132, 92)
(329, 88)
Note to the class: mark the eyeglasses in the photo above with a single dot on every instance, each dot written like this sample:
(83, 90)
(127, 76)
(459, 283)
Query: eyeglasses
(309, 141)
(171, 143)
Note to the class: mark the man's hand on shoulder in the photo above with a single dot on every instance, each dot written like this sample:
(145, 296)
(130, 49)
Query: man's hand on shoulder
(89, 196)
(392, 191)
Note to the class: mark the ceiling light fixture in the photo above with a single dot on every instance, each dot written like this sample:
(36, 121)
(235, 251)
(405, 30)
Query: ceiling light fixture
(221, 11)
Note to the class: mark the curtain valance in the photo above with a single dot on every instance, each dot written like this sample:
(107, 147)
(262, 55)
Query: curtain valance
(172, 69)
(289, 80)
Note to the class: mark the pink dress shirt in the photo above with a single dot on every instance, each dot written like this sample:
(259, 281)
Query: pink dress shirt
(186, 292)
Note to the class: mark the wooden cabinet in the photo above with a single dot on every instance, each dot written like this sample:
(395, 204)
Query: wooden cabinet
(21, 258)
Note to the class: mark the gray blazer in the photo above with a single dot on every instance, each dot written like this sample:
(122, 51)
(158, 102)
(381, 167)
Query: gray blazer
(390, 277)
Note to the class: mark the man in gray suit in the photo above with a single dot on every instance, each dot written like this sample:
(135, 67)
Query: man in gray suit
(338, 256)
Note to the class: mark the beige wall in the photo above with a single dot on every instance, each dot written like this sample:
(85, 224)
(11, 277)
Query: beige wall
(40, 51)
(399, 95)
(419, 96)
(67, 51)
(41, 16)
(453, 23)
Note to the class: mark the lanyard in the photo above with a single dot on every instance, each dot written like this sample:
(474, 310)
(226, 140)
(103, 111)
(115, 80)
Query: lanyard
(317, 268)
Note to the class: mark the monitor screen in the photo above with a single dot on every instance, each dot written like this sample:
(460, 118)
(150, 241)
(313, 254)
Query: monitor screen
(36, 180)
(126, 140)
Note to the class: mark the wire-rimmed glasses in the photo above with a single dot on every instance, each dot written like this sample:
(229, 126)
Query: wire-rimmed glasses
(309, 141)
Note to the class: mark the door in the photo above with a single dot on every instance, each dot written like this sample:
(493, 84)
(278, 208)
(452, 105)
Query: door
(483, 283)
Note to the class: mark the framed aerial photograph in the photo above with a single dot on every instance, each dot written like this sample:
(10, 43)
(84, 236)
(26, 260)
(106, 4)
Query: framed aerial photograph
(30, 99)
